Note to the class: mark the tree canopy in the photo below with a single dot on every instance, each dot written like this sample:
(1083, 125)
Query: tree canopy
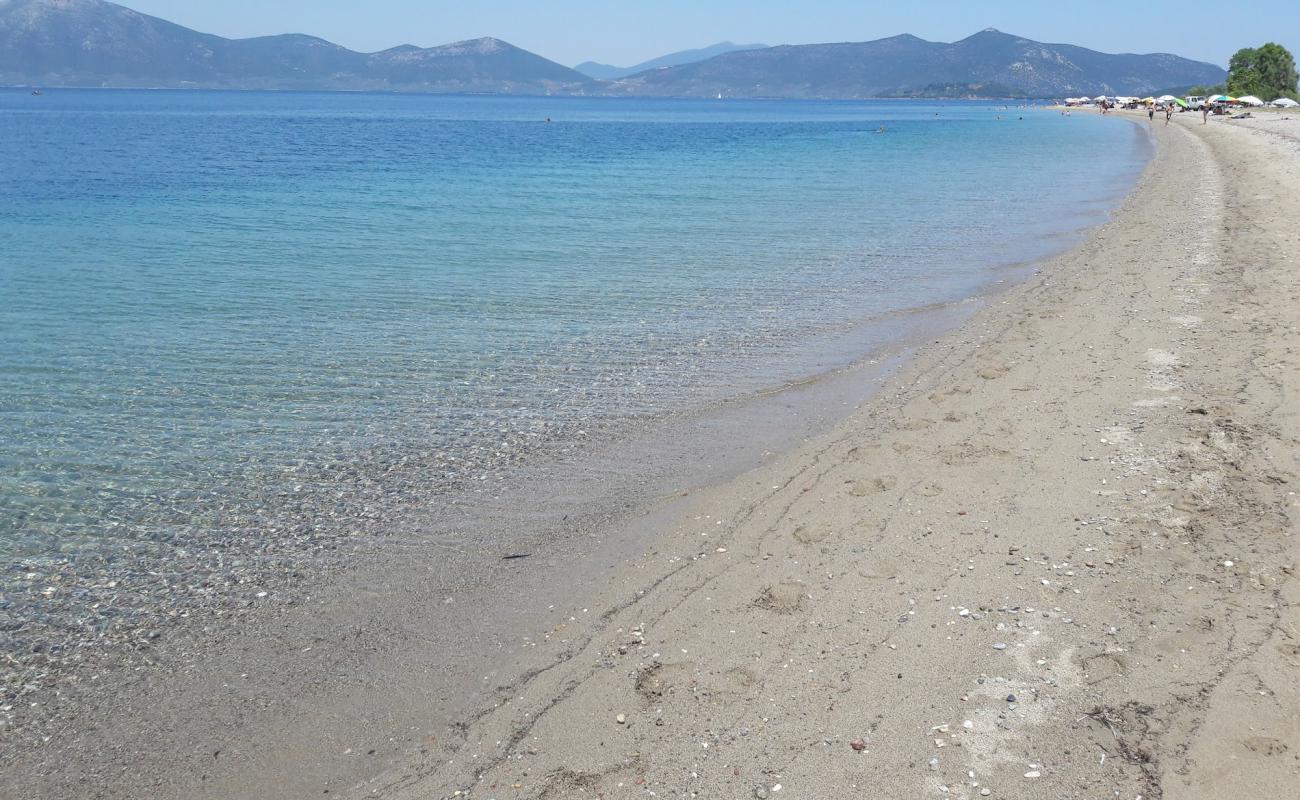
(1268, 72)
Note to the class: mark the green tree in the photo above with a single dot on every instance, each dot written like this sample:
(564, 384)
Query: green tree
(1266, 72)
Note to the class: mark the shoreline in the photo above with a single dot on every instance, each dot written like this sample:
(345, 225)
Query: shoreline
(846, 359)
(782, 416)
(621, 656)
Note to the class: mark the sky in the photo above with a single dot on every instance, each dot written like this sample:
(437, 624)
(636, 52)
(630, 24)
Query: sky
(624, 33)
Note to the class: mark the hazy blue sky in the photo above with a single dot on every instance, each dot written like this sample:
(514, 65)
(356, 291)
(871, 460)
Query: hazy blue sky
(624, 33)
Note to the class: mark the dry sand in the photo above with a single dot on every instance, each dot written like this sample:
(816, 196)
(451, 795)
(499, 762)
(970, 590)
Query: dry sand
(1055, 558)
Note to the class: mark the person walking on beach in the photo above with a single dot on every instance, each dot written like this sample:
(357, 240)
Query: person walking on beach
(1151, 113)
(1169, 112)
(1205, 113)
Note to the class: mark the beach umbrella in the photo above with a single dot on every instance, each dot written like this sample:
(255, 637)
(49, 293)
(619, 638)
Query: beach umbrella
(1250, 100)
(1166, 98)
(1222, 98)
(1180, 101)
(1285, 102)
(1148, 99)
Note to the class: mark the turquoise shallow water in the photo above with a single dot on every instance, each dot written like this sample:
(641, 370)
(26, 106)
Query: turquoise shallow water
(225, 316)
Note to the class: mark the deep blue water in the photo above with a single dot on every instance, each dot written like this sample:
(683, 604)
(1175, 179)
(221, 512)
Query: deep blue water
(224, 310)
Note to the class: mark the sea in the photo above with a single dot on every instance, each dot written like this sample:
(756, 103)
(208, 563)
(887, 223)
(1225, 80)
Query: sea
(237, 328)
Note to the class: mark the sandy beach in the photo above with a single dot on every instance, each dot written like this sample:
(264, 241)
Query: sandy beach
(1053, 557)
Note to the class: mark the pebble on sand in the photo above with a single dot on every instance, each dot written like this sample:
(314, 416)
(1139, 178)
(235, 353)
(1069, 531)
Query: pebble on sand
(999, 645)
(620, 719)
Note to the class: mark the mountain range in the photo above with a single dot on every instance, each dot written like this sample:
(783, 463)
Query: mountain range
(606, 72)
(98, 43)
(989, 63)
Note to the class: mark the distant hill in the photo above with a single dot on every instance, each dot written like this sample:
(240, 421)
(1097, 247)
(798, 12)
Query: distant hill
(97, 43)
(990, 63)
(606, 72)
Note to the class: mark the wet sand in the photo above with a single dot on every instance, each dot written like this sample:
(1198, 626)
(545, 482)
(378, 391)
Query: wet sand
(1053, 557)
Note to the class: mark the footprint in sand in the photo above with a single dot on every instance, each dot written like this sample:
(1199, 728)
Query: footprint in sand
(967, 453)
(939, 397)
(811, 534)
(874, 486)
(1103, 666)
(1265, 745)
(782, 598)
(741, 678)
(565, 782)
(1292, 652)
(657, 680)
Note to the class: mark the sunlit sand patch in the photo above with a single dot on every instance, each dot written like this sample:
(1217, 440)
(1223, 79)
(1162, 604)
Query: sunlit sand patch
(1161, 377)
(1118, 435)
(991, 742)
(1187, 321)
(1162, 358)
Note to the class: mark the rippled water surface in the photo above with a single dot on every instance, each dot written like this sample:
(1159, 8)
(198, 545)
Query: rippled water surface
(225, 317)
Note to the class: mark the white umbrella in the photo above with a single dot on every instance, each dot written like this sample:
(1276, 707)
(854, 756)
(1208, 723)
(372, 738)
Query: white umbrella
(1099, 98)
(1285, 102)
(1250, 100)
(1166, 98)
